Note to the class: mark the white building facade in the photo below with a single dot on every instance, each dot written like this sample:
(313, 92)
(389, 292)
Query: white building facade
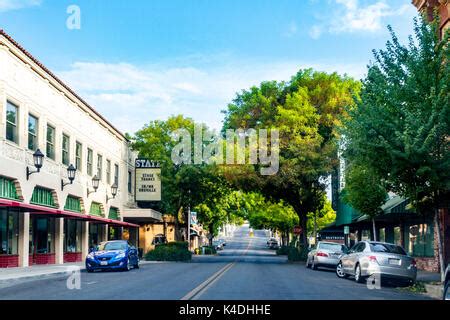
(41, 221)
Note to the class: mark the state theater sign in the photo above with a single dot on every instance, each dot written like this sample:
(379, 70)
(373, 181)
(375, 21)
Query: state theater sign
(147, 180)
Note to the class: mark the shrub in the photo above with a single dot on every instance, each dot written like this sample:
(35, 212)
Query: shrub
(173, 251)
(282, 251)
(297, 254)
(209, 250)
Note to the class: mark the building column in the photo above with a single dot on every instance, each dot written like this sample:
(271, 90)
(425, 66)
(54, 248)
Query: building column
(24, 239)
(59, 240)
(84, 238)
(105, 233)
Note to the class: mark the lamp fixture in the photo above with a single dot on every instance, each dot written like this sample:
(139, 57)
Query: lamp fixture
(71, 170)
(113, 192)
(38, 157)
(95, 182)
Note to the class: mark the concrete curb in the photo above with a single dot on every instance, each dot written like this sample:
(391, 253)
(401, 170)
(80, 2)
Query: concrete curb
(434, 290)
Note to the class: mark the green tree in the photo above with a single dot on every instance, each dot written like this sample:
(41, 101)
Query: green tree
(365, 191)
(307, 110)
(321, 218)
(400, 128)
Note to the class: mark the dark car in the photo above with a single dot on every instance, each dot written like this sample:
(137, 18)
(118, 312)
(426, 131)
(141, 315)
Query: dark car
(447, 284)
(113, 255)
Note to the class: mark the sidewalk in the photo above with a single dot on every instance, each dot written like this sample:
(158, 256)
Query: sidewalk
(10, 276)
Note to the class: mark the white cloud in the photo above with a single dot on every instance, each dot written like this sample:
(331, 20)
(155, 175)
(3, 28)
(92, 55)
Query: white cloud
(131, 96)
(291, 30)
(350, 16)
(8, 5)
(315, 32)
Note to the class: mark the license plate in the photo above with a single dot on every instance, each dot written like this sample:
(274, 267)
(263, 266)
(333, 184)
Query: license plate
(394, 261)
(103, 263)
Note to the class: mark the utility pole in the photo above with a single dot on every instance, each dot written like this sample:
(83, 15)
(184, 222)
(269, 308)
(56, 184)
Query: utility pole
(189, 222)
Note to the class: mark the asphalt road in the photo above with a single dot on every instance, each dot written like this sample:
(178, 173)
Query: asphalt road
(244, 270)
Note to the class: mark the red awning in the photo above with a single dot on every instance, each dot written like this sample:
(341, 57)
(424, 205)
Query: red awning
(37, 209)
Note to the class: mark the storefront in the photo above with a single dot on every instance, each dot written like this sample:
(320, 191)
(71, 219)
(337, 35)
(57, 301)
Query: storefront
(9, 238)
(72, 240)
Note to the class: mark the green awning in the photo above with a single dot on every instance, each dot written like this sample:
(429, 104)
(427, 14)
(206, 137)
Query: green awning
(96, 209)
(113, 213)
(43, 197)
(73, 204)
(8, 189)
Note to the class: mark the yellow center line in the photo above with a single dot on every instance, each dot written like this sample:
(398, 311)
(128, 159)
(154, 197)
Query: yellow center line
(200, 289)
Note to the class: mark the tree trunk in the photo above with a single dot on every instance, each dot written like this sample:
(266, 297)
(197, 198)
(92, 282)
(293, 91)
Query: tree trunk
(315, 228)
(439, 241)
(374, 230)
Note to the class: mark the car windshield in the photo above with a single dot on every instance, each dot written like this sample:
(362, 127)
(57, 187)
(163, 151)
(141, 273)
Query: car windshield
(331, 246)
(386, 247)
(110, 246)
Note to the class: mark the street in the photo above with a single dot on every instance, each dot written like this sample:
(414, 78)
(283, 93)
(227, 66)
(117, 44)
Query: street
(244, 270)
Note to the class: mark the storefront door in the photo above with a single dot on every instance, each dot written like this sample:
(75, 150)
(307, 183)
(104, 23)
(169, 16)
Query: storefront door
(42, 240)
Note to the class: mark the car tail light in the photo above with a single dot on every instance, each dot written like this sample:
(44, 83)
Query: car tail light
(413, 263)
(322, 254)
(373, 259)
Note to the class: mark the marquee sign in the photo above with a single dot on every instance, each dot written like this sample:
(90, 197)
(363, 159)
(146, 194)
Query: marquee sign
(147, 180)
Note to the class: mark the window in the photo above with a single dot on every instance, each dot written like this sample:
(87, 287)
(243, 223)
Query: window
(11, 122)
(90, 156)
(116, 174)
(130, 185)
(419, 240)
(99, 166)
(387, 248)
(32, 132)
(397, 236)
(72, 235)
(78, 154)
(382, 235)
(9, 231)
(65, 149)
(50, 142)
(108, 171)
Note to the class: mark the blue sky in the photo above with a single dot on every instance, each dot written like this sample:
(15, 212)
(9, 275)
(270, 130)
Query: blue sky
(136, 61)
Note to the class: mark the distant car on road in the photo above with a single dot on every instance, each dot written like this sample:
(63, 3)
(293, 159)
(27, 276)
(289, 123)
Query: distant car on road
(272, 243)
(218, 245)
(113, 255)
(325, 254)
(224, 243)
(388, 260)
(446, 295)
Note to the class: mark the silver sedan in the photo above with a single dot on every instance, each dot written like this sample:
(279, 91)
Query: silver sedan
(368, 258)
(326, 254)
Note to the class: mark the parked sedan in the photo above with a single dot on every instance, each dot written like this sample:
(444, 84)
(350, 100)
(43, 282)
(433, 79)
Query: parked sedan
(218, 245)
(367, 258)
(447, 284)
(113, 255)
(326, 254)
(272, 243)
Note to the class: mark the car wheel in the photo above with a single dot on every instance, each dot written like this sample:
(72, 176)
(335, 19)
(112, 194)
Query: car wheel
(313, 265)
(340, 271)
(128, 265)
(137, 264)
(358, 277)
(447, 291)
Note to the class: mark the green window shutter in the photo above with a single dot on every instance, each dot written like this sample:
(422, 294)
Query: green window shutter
(43, 197)
(113, 213)
(96, 209)
(8, 189)
(73, 204)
